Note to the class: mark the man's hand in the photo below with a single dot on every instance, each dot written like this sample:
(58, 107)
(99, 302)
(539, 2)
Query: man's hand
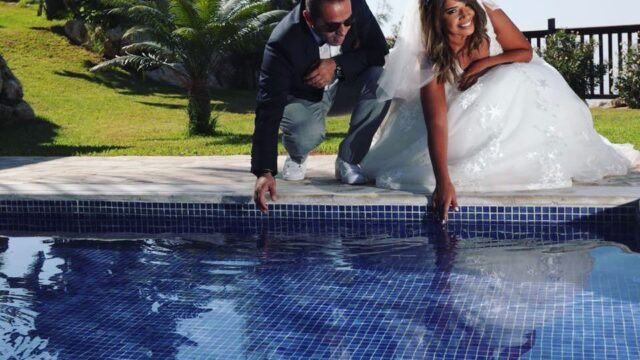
(322, 74)
(265, 183)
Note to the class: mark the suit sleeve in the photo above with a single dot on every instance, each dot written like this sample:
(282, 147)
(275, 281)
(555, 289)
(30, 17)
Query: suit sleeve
(372, 46)
(273, 90)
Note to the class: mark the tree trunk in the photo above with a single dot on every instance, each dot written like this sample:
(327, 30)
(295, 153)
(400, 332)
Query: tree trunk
(199, 109)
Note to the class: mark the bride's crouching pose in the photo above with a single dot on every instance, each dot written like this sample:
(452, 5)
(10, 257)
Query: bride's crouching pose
(498, 118)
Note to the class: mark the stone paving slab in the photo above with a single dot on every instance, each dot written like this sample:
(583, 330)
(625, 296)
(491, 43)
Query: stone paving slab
(223, 179)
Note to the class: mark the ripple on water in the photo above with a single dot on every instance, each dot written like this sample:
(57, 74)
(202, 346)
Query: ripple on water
(317, 296)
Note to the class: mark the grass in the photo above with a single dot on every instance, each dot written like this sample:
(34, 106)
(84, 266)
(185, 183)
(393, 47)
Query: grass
(82, 113)
(113, 113)
(618, 125)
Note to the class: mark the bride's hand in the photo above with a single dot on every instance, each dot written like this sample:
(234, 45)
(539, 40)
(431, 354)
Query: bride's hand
(472, 73)
(443, 198)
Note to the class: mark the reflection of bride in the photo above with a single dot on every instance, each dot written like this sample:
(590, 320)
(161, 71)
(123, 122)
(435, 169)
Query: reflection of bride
(495, 298)
(425, 296)
(504, 294)
(499, 118)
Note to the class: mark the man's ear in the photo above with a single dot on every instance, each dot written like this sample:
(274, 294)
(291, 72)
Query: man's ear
(307, 17)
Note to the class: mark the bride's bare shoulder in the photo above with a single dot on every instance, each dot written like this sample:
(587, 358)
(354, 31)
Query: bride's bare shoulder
(507, 33)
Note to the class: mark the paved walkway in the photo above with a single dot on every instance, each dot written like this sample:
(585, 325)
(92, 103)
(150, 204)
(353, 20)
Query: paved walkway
(227, 179)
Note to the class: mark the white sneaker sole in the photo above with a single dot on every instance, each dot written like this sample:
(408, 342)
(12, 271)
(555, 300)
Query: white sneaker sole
(293, 177)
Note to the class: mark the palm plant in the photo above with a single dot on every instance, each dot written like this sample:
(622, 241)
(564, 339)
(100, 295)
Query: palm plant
(191, 38)
(246, 54)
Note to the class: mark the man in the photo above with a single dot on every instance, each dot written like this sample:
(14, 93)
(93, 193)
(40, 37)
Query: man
(323, 54)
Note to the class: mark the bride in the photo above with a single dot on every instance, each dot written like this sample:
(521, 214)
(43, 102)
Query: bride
(496, 116)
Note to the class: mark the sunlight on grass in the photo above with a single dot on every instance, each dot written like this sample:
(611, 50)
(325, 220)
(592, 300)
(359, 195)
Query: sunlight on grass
(618, 125)
(114, 113)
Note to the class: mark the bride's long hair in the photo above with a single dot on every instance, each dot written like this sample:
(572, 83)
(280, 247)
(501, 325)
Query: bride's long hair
(436, 37)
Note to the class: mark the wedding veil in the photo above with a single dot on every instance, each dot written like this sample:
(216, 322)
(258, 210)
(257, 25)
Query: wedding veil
(408, 67)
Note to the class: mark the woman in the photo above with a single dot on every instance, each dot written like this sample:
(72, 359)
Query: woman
(496, 116)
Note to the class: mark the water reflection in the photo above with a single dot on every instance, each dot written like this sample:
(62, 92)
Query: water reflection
(280, 296)
(439, 295)
(26, 267)
(503, 294)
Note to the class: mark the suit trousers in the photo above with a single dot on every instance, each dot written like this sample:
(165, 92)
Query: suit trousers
(303, 123)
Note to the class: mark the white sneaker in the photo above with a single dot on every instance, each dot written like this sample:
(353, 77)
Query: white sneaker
(349, 173)
(292, 171)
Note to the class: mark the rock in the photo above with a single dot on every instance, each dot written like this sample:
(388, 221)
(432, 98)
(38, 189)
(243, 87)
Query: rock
(618, 103)
(166, 76)
(607, 104)
(24, 112)
(12, 91)
(12, 107)
(6, 114)
(135, 38)
(76, 31)
(113, 42)
(115, 34)
(6, 74)
(223, 77)
(596, 103)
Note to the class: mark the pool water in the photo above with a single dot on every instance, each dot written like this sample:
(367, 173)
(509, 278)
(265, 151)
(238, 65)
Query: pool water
(351, 293)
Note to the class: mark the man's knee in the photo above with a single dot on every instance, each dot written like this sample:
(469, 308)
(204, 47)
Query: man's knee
(295, 113)
(310, 135)
(299, 145)
(302, 129)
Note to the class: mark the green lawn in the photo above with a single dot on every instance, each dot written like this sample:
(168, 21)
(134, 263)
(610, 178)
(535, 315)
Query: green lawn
(81, 113)
(618, 125)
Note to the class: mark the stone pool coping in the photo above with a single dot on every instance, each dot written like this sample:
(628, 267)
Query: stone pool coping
(226, 179)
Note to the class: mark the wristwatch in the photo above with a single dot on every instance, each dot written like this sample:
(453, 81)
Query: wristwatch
(339, 73)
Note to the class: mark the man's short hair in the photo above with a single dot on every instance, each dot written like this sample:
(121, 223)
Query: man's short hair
(314, 6)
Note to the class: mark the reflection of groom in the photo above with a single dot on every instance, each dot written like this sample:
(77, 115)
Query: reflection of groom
(323, 52)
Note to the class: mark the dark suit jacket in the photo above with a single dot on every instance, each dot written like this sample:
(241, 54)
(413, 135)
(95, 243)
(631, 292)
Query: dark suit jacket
(289, 55)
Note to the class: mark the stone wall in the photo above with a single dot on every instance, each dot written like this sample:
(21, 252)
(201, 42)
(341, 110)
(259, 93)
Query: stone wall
(12, 106)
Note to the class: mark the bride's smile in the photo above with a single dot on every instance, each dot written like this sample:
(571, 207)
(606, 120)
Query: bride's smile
(466, 25)
(458, 18)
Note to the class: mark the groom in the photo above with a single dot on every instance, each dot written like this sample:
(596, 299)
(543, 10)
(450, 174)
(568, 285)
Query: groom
(325, 54)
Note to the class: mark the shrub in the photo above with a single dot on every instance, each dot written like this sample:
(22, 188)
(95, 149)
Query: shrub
(53, 9)
(629, 78)
(574, 61)
(92, 11)
(28, 3)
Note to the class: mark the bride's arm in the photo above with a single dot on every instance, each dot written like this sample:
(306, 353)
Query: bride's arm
(515, 46)
(434, 108)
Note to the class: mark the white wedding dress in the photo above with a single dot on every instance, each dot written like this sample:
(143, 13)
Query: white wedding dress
(520, 127)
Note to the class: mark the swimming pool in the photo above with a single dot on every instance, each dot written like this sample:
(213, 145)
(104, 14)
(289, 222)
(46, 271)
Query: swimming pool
(334, 289)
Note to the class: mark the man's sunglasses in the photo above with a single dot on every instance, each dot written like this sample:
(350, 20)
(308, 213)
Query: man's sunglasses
(334, 26)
